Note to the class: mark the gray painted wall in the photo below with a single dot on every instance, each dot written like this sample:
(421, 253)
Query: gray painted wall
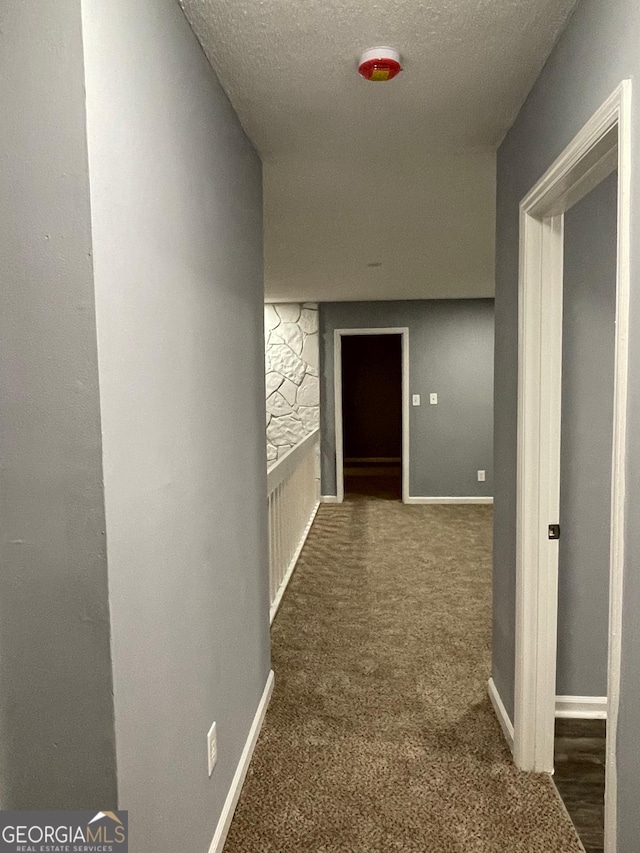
(590, 246)
(176, 212)
(450, 353)
(56, 708)
(598, 49)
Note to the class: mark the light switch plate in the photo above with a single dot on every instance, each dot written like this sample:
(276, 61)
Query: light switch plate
(482, 476)
(433, 399)
(416, 399)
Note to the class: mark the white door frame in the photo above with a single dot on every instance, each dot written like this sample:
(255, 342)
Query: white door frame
(601, 146)
(337, 392)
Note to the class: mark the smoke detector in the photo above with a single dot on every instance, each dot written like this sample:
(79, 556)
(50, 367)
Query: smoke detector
(379, 64)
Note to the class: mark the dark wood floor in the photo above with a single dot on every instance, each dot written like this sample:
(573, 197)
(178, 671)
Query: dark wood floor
(382, 481)
(579, 776)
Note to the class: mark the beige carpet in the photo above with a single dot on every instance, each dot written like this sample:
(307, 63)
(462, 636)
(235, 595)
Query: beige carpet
(380, 736)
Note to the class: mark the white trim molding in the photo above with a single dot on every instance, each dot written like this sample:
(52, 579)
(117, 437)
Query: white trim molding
(226, 816)
(581, 707)
(338, 334)
(473, 499)
(603, 144)
(501, 713)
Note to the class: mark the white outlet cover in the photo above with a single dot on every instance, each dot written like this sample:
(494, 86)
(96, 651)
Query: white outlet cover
(481, 476)
(416, 399)
(433, 399)
(212, 748)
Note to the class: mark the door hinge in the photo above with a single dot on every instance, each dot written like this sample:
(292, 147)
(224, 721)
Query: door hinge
(554, 531)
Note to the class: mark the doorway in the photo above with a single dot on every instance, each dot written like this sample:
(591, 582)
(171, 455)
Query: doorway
(372, 415)
(588, 364)
(603, 146)
(371, 404)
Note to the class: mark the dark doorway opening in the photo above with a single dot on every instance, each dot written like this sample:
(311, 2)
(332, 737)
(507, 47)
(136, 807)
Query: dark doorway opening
(372, 415)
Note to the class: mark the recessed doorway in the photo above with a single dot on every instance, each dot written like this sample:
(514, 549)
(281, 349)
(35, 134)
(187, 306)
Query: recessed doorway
(372, 415)
(371, 394)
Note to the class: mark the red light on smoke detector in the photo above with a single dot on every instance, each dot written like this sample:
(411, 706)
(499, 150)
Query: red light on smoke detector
(379, 64)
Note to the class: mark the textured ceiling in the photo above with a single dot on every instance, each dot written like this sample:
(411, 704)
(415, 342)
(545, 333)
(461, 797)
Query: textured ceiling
(288, 67)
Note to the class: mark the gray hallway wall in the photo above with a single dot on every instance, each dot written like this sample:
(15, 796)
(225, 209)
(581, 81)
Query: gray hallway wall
(56, 708)
(450, 353)
(598, 49)
(177, 231)
(588, 359)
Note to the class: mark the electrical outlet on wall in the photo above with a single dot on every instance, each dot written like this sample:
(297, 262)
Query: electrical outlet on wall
(212, 748)
(482, 476)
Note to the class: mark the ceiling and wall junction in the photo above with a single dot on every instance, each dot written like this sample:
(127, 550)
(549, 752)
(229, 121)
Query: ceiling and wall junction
(378, 191)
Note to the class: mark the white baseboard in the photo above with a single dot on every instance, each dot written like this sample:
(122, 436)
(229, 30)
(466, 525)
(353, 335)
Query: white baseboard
(292, 565)
(233, 796)
(453, 500)
(501, 713)
(329, 499)
(581, 707)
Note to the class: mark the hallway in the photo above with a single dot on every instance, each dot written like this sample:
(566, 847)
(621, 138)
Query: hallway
(380, 735)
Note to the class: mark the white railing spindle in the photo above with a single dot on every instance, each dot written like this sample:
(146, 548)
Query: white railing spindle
(293, 496)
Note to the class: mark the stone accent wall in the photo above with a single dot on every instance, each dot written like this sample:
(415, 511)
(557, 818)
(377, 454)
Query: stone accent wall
(291, 365)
